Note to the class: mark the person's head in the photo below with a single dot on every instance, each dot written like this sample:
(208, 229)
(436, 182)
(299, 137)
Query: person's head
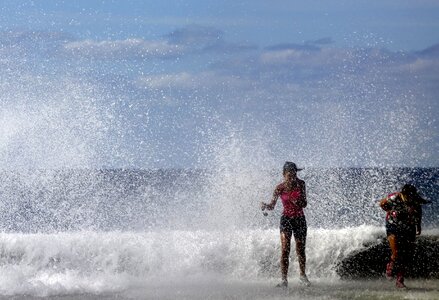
(412, 194)
(290, 169)
(409, 190)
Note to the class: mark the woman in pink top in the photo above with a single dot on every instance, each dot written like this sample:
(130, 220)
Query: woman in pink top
(292, 192)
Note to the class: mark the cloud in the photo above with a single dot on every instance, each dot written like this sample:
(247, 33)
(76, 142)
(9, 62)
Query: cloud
(321, 41)
(205, 39)
(297, 63)
(124, 49)
(191, 81)
(421, 65)
(312, 55)
(284, 56)
(184, 41)
(195, 35)
(295, 47)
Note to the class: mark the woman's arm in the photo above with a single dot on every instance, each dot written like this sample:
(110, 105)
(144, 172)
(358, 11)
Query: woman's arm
(272, 204)
(384, 204)
(302, 201)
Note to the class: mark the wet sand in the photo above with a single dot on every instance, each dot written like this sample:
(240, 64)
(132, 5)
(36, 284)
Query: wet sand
(234, 289)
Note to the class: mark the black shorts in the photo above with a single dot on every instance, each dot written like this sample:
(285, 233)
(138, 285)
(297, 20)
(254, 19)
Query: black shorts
(407, 233)
(296, 226)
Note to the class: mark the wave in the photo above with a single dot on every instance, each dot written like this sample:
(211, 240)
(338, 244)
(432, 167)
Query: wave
(98, 262)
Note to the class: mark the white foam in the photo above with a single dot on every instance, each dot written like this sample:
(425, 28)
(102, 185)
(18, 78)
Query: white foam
(101, 262)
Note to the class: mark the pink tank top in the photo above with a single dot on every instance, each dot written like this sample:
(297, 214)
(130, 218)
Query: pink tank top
(289, 201)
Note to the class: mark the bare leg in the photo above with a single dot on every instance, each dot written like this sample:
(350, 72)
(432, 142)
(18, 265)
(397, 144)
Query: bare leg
(301, 256)
(393, 247)
(393, 264)
(285, 240)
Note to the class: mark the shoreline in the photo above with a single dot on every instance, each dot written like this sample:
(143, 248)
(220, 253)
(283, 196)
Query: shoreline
(216, 289)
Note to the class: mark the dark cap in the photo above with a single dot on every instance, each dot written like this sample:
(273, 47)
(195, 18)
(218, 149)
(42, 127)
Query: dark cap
(290, 166)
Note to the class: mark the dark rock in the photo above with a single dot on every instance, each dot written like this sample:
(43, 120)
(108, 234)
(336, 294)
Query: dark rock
(371, 261)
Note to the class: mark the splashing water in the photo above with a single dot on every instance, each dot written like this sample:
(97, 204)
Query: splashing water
(72, 222)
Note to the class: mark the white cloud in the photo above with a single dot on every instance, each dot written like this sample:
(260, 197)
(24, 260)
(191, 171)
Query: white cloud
(186, 80)
(183, 41)
(421, 65)
(281, 57)
(321, 57)
(125, 49)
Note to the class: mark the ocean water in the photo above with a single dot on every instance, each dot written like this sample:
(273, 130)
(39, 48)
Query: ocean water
(197, 234)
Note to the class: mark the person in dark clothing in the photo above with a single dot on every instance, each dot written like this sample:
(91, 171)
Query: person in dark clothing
(403, 224)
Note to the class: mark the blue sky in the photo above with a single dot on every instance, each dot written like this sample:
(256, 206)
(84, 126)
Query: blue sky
(400, 25)
(154, 84)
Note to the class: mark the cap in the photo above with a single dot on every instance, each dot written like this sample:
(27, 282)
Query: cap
(290, 166)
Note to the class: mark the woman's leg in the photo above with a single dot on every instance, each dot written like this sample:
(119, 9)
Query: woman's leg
(400, 260)
(405, 245)
(285, 239)
(301, 256)
(393, 247)
(391, 265)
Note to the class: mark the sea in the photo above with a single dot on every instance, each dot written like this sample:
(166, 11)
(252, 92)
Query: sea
(200, 234)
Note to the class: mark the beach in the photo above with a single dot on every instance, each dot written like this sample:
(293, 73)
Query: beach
(219, 289)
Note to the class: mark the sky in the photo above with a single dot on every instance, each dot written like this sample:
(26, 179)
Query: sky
(191, 84)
